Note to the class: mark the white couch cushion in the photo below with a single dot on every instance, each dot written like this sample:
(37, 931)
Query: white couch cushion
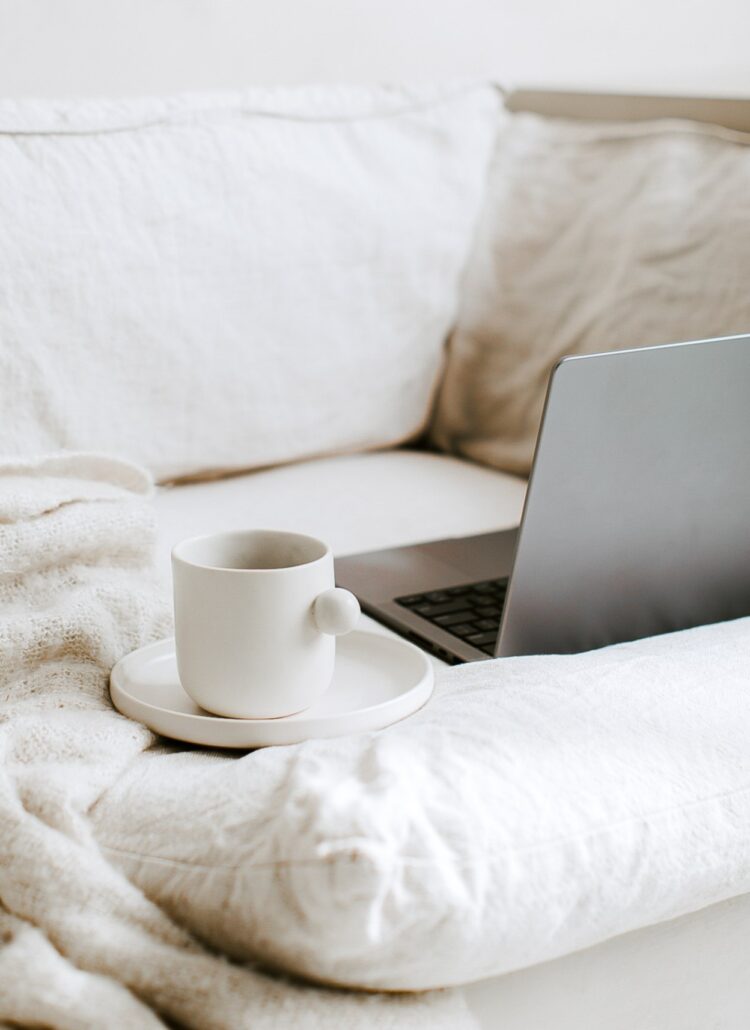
(234, 280)
(354, 502)
(535, 806)
(593, 237)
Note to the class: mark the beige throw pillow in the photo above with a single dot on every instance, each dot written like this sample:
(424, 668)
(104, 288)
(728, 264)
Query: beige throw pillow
(593, 237)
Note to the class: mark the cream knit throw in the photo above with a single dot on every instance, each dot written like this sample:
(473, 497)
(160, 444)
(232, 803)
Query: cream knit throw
(80, 946)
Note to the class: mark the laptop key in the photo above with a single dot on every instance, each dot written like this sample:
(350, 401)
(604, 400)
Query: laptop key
(487, 624)
(482, 640)
(429, 611)
(453, 619)
(463, 630)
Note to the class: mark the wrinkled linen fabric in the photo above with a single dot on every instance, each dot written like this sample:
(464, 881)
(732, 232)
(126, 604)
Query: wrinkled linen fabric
(233, 280)
(82, 947)
(593, 237)
(534, 807)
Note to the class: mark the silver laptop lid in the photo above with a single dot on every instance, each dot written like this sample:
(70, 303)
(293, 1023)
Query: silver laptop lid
(637, 516)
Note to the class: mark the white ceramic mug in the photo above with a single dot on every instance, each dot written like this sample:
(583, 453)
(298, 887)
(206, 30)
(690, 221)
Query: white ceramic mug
(256, 617)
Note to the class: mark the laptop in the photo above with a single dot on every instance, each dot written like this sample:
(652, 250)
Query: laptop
(636, 520)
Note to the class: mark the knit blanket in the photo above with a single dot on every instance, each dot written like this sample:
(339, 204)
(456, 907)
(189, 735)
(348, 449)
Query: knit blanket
(80, 945)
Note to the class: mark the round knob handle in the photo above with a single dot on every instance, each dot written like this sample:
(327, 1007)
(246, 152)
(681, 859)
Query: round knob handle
(336, 611)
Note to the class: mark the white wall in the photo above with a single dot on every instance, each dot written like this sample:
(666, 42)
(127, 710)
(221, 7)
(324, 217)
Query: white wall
(52, 47)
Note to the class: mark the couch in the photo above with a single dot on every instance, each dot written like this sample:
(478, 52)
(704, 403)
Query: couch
(386, 452)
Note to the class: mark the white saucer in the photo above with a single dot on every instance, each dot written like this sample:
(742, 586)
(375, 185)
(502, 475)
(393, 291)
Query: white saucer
(378, 680)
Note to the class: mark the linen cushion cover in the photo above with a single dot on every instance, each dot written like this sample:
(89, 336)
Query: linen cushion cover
(233, 280)
(535, 806)
(593, 237)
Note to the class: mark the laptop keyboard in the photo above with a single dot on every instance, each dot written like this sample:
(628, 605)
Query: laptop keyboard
(471, 612)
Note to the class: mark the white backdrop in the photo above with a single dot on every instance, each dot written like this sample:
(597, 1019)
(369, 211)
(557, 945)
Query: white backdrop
(53, 47)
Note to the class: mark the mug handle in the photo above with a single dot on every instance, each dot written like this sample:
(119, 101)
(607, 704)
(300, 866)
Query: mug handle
(336, 611)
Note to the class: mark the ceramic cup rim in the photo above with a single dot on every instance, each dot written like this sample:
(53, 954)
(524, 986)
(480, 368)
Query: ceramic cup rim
(179, 549)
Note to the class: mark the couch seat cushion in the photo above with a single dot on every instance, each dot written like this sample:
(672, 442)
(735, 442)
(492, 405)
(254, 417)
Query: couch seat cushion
(354, 502)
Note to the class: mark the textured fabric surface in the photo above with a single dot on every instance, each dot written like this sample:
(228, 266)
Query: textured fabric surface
(233, 280)
(355, 502)
(535, 806)
(81, 947)
(593, 237)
